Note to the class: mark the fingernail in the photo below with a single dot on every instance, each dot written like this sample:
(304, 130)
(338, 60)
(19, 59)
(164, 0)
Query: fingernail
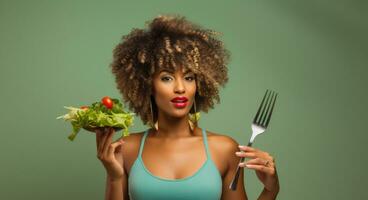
(241, 146)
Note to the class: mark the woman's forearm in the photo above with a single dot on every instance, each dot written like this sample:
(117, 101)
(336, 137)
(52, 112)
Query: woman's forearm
(114, 189)
(267, 195)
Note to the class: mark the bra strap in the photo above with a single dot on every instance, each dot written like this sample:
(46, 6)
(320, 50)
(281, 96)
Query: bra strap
(205, 142)
(142, 143)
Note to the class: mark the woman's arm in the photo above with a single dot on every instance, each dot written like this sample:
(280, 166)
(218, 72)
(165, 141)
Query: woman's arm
(268, 175)
(111, 155)
(267, 195)
(228, 148)
(129, 152)
(114, 189)
(265, 168)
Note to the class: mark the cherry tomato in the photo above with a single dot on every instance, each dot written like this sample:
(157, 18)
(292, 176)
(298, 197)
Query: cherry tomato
(107, 102)
(84, 107)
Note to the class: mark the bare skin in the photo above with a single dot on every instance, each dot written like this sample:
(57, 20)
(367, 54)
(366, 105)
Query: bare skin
(160, 161)
(166, 153)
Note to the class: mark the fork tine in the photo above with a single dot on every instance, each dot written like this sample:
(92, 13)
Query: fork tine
(267, 107)
(259, 109)
(269, 115)
(264, 111)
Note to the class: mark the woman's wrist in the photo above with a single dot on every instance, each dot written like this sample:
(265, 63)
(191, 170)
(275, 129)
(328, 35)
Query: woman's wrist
(113, 176)
(274, 190)
(272, 193)
(114, 179)
(268, 195)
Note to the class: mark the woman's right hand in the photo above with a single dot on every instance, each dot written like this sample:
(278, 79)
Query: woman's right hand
(110, 153)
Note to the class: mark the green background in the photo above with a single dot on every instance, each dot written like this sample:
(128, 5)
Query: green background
(313, 53)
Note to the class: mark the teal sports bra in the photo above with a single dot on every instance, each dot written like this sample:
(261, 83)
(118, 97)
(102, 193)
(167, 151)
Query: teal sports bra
(205, 184)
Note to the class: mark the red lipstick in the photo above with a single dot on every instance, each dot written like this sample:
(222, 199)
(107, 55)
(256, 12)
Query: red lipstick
(179, 102)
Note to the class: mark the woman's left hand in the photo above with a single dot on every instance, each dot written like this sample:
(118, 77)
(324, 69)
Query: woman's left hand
(264, 165)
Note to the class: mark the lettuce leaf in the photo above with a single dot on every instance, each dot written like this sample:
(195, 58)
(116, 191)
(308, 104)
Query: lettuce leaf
(97, 115)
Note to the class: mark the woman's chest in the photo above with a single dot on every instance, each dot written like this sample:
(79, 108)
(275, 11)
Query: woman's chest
(176, 160)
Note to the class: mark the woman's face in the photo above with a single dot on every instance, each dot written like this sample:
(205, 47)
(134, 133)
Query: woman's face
(168, 85)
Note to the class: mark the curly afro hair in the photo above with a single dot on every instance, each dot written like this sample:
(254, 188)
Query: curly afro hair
(170, 41)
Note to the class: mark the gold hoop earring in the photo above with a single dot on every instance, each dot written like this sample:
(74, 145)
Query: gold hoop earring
(193, 118)
(156, 125)
(191, 125)
(153, 125)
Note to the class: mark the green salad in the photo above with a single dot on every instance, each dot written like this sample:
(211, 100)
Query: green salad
(106, 113)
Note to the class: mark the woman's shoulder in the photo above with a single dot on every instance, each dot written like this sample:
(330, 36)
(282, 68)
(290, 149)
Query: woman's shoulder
(133, 136)
(213, 137)
(132, 141)
(223, 148)
(222, 142)
(224, 139)
(130, 149)
(218, 141)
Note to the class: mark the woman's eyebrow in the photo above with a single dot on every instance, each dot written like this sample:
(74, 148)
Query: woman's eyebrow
(172, 72)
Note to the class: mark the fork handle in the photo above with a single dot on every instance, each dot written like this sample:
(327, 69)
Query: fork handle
(234, 182)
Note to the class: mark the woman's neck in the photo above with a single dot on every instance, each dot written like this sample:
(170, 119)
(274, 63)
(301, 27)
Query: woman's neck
(171, 127)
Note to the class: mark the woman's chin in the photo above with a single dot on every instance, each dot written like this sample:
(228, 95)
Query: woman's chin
(179, 113)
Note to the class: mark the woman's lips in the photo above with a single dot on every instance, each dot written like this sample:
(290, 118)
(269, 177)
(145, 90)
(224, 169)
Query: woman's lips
(179, 104)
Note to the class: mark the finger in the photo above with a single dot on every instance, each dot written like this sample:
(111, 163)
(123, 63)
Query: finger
(102, 137)
(246, 148)
(98, 139)
(258, 161)
(266, 157)
(111, 149)
(103, 140)
(246, 154)
(262, 168)
(271, 161)
(111, 132)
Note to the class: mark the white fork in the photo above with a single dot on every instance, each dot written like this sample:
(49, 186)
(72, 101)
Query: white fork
(259, 125)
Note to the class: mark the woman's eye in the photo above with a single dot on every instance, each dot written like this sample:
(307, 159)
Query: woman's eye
(165, 78)
(190, 78)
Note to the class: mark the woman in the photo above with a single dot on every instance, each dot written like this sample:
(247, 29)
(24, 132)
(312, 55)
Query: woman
(167, 74)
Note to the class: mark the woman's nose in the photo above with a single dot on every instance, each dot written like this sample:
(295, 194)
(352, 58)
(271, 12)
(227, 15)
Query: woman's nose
(179, 87)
